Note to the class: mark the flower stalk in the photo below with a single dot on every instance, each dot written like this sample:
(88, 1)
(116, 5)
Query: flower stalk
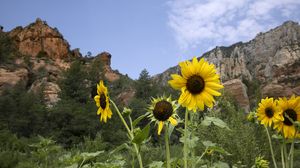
(185, 149)
(167, 148)
(271, 147)
(130, 134)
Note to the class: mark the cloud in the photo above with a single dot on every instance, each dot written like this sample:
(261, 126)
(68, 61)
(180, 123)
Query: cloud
(222, 22)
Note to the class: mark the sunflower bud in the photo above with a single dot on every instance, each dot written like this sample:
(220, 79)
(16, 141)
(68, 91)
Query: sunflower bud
(260, 162)
(127, 111)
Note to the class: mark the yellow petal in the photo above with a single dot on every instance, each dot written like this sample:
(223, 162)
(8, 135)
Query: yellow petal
(178, 81)
(200, 103)
(185, 69)
(207, 99)
(97, 100)
(173, 121)
(212, 92)
(215, 78)
(213, 85)
(98, 90)
(104, 115)
(183, 97)
(193, 104)
(160, 127)
(99, 111)
(109, 113)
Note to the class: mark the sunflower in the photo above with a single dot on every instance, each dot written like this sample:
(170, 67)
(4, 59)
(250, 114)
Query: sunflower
(267, 112)
(102, 101)
(161, 110)
(290, 110)
(198, 84)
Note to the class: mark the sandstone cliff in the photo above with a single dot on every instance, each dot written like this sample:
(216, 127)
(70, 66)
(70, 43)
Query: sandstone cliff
(42, 55)
(39, 37)
(271, 59)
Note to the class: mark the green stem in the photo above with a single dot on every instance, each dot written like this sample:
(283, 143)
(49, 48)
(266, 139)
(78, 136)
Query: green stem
(130, 134)
(291, 154)
(82, 163)
(167, 147)
(185, 149)
(285, 154)
(271, 148)
(131, 129)
(202, 155)
(282, 156)
(192, 150)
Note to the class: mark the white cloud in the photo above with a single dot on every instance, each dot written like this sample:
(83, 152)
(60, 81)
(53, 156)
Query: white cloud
(222, 22)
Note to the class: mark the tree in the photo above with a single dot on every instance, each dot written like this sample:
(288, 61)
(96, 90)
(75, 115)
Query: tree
(7, 48)
(143, 85)
(74, 84)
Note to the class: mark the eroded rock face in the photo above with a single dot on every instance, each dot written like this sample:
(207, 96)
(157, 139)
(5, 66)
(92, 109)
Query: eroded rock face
(39, 37)
(238, 90)
(50, 90)
(276, 90)
(126, 96)
(271, 58)
(11, 78)
(109, 74)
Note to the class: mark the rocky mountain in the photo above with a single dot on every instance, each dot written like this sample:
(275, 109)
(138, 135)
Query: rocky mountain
(40, 55)
(268, 65)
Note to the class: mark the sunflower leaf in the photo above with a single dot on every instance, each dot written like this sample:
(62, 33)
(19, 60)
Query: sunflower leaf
(136, 121)
(170, 129)
(156, 164)
(208, 143)
(141, 135)
(220, 164)
(119, 148)
(216, 121)
(219, 150)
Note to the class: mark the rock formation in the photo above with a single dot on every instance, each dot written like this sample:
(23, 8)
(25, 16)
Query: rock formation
(271, 59)
(238, 90)
(43, 56)
(39, 38)
(109, 74)
(12, 77)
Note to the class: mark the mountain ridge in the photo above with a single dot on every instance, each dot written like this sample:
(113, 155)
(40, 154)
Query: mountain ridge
(268, 65)
(271, 59)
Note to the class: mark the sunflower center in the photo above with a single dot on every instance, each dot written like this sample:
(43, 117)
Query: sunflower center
(269, 112)
(102, 101)
(195, 84)
(162, 110)
(292, 115)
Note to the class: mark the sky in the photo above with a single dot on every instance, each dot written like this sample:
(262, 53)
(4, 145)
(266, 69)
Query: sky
(151, 34)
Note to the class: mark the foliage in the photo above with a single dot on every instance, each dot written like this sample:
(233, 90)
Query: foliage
(22, 112)
(244, 141)
(143, 85)
(70, 135)
(7, 48)
(74, 84)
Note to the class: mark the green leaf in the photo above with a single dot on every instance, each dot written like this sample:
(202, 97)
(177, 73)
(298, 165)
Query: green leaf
(220, 150)
(170, 129)
(220, 164)
(191, 141)
(119, 148)
(277, 136)
(156, 164)
(136, 121)
(216, 121)
(208, 143)
(88, 156)
(141, 135)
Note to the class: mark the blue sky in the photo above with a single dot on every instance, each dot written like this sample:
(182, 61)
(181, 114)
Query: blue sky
(151, 34)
